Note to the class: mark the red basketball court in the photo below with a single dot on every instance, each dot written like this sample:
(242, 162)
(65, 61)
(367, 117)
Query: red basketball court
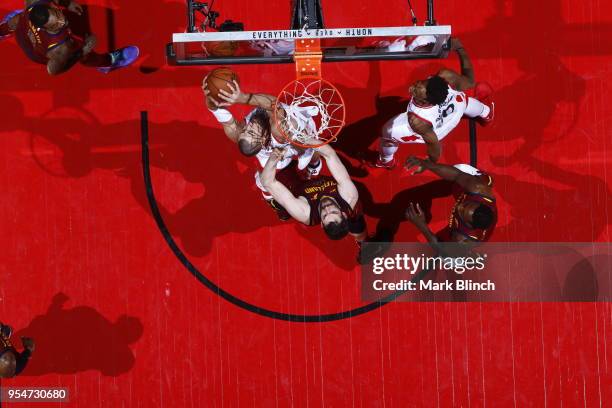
(122, 323)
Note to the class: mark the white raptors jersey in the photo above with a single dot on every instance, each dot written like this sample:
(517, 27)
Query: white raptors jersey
(303, 155)
(444, 117)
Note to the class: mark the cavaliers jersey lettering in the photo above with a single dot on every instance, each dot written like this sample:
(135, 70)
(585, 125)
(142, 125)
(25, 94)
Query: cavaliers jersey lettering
(444, 117)
(458, 225)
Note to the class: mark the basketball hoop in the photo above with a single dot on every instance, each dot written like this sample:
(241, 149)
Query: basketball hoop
(309, 107)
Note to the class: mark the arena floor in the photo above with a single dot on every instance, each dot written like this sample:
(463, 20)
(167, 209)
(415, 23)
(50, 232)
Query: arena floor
(119, 320)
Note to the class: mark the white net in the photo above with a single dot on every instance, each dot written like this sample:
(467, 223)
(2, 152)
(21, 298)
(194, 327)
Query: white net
(310, 109)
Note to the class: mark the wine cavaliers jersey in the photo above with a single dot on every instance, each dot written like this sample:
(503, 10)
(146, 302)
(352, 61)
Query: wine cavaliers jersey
(37, 42)
(458, 225)
(324, 186)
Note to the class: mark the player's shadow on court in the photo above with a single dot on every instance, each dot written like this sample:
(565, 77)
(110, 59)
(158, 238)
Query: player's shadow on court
(359, 140)
(73, 143)
(548, 92)
(151, 32)
(543, 107)
(575, 209)
(72, 340)
(392, 215)
(581, 283)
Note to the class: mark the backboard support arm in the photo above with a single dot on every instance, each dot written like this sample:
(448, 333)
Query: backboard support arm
(191, 27)
(307, 14)
(431, 21)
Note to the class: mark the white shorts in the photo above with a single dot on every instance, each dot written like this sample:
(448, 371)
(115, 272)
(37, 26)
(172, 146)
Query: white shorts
(398, 130)
(303, 157)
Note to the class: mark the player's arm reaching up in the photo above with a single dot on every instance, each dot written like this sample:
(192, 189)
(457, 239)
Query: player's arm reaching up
(466, 79)
(466, 181)
(231, 126)
(235, 95)
(347, 190)
(434, 149)
(346, 187)
(296, 207)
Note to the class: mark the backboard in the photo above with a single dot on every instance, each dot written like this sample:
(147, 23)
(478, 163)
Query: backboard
(309, 110)
(336, 45)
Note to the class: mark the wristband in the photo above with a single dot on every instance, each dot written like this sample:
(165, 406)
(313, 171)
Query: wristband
(222, 115)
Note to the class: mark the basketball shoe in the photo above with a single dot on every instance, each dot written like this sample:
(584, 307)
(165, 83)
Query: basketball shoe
(121, 58)
(381, 164)
(484, 93)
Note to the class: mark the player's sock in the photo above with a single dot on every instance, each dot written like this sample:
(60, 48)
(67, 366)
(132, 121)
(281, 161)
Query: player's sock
(485, 111)
(386, 156)
(482, 112)
(475, 108)
(387, 152)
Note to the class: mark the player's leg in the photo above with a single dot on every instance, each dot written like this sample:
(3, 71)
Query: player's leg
(394, 132)
(113, 60)
(94, 59)
(481, 107)
(8, 24)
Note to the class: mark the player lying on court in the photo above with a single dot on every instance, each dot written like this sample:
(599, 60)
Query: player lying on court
(13, 362)
(437, 105)
(43, 32)
(257, 134)
(474, 215)
(332, 202)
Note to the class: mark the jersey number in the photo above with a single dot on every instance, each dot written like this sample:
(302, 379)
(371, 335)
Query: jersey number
(444, 114)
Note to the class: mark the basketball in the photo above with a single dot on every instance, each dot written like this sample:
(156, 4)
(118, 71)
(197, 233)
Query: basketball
(218, 79)
(221, 48)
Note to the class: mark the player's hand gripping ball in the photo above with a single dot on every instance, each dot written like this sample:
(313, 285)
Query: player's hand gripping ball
(222, 79)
